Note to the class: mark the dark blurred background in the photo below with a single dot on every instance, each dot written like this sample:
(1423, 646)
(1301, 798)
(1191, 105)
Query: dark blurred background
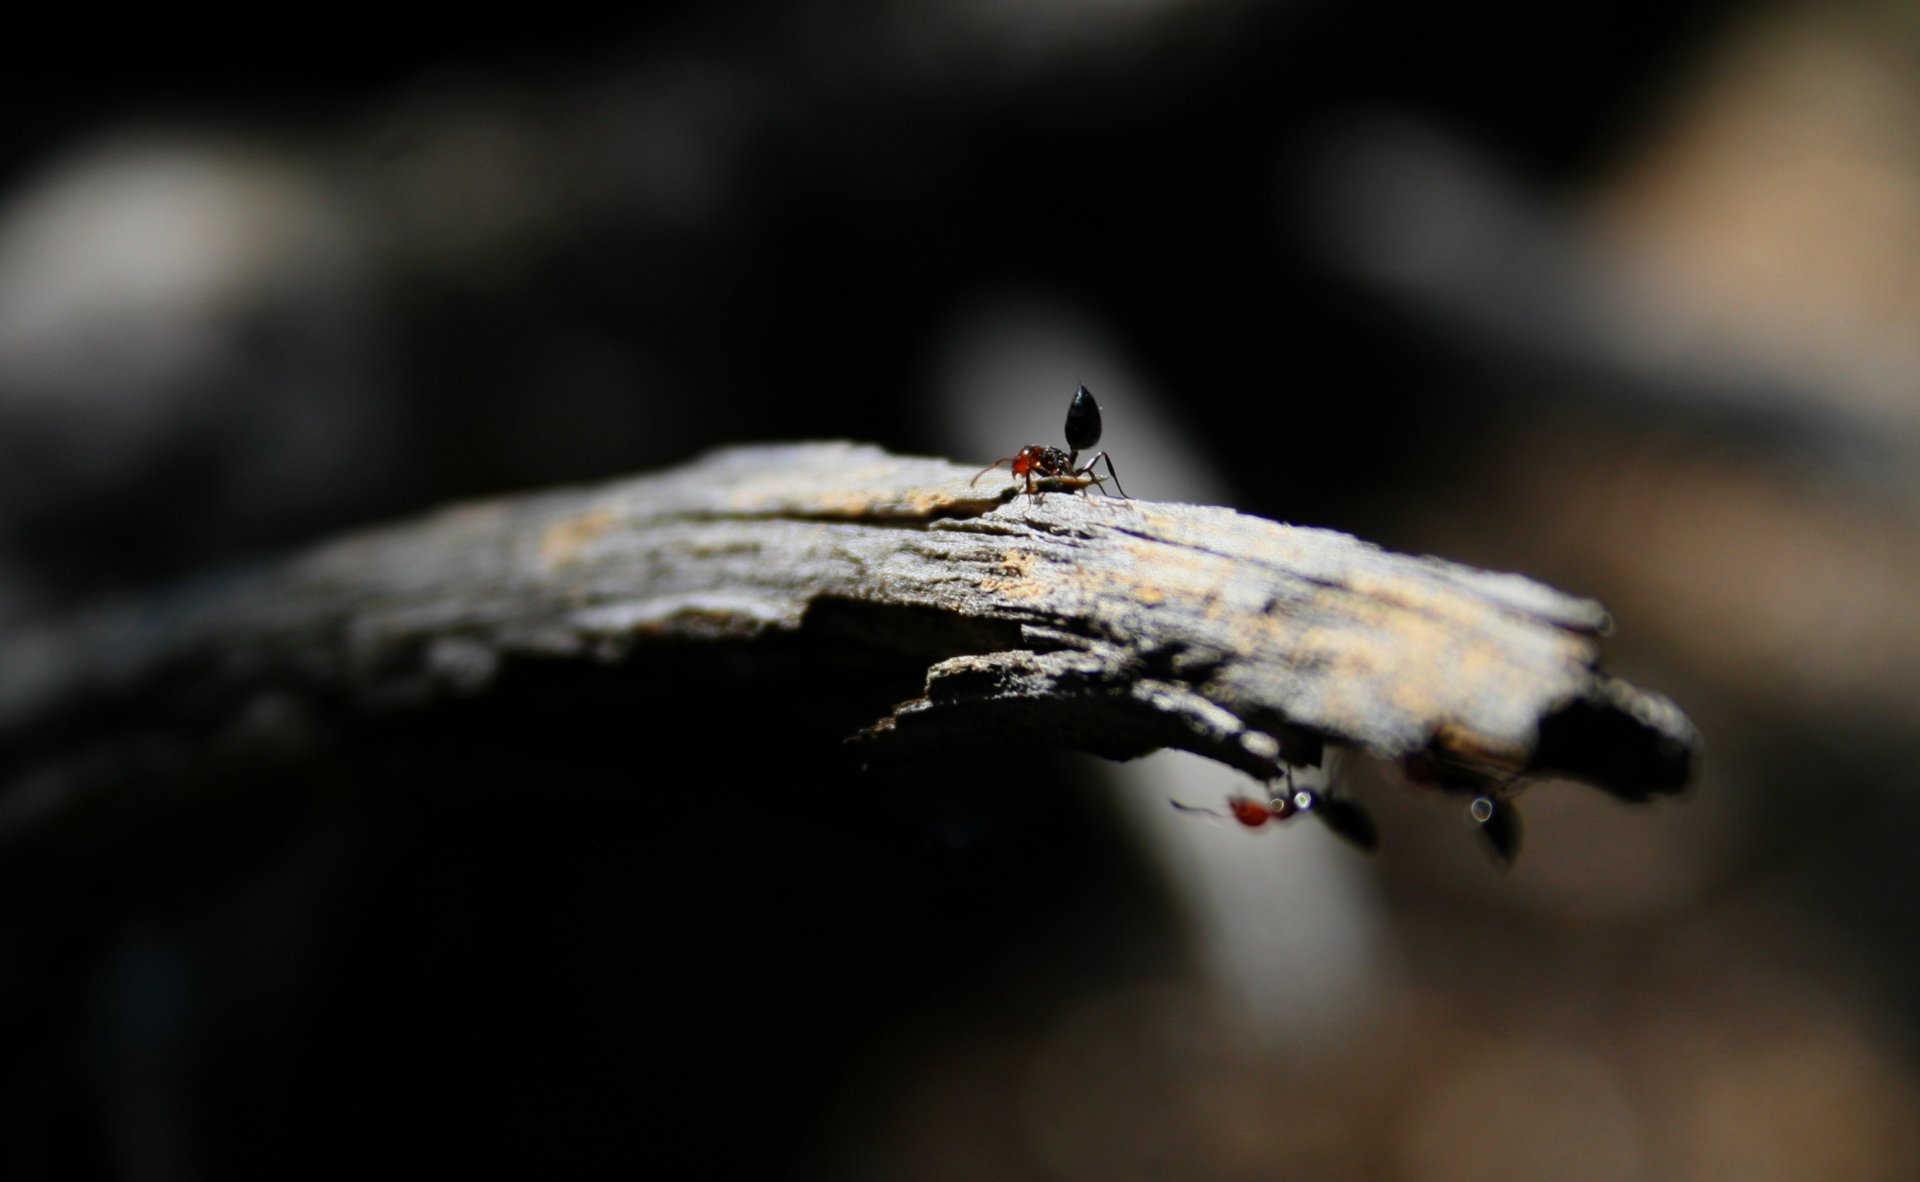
(1620, 296)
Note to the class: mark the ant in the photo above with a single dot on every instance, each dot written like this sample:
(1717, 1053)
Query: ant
(1050, 463)
(1284, 801)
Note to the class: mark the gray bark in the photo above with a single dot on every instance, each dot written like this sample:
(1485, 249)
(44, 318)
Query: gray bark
(1110, 625)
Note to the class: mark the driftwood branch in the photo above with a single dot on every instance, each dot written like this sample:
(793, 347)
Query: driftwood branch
(1110, 625)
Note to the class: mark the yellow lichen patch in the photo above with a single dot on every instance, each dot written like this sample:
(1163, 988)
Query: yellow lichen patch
(853, 504)
(1470, 747)
(562, 541)
(1434, 670)
(1013, 588)
(1182, 572)
(1017, 582)
(1118, 586)
(925, 503)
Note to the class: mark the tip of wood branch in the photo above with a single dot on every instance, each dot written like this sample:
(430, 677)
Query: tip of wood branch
(1634, 744)
(1064, 620)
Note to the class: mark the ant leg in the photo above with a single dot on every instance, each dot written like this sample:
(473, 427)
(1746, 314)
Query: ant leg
(1111, 474)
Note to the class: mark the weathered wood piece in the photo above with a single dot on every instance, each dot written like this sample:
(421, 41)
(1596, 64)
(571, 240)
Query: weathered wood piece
(1079, 621)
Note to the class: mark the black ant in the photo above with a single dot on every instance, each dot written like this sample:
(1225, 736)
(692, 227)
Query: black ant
(1050, 463)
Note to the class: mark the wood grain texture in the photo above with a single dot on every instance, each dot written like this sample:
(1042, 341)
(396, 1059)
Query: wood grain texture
(1110, 625)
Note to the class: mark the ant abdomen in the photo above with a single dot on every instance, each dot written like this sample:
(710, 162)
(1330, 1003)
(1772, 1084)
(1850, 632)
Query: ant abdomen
(1083, 421)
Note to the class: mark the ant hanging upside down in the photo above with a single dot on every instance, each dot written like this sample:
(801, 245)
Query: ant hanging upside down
(1284, 801)
(1045, 464)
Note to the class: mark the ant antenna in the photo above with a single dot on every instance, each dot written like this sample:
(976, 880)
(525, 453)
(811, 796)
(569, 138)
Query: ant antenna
(1194, 808)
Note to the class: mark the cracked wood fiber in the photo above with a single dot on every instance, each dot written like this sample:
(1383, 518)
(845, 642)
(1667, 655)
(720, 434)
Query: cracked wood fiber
(1109, 625)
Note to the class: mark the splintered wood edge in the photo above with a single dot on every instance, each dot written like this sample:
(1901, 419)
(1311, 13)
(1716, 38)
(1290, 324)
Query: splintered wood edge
(1112, 625)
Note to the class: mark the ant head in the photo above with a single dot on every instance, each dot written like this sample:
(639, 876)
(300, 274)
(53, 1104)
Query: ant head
(1250, 812)
(1083, 421)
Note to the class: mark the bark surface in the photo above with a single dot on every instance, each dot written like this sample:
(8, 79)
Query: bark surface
(1109, 625)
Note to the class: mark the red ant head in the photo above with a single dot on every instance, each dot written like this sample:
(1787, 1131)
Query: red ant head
(1250, 812)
